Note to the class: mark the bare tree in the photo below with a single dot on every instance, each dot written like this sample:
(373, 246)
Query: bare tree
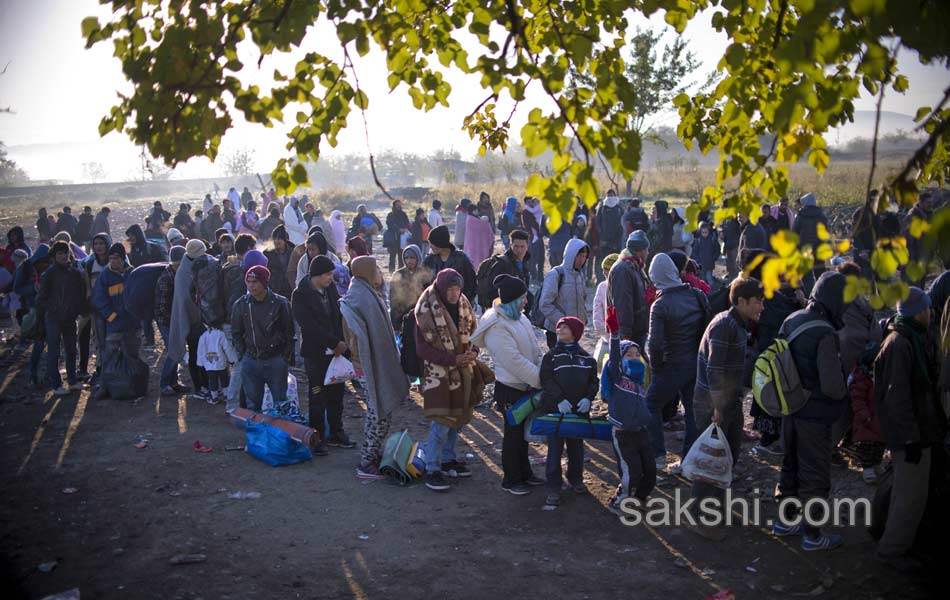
(93, 172)
(239, 163)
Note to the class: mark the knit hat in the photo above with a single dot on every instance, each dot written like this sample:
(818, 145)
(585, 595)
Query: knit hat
(174, 235)
(509, 287)
(320, 265)
(917, 301)
(679, 259)
(176, 254)
(252, 258)
(574, 324)
(280, 233)
(258, 273)
(58, 247)
(117, 249)
(638, 240)
(609, 261)
(195, 248)
(439, 237)
(809, 200)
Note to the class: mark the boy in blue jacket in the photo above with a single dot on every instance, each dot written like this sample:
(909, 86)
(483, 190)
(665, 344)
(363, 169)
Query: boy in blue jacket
(568, 383)
(621, 387)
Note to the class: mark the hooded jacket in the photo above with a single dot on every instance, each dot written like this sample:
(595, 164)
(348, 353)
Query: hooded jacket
(406, 286)
(753, 236)
(25, 280)
(806, 224)
(16, 241)
(626, 290)
(295, 223)
(816, 351)
(677, 319)
(67, 223)
(731, 232)
(706, 250)
(107, 299)
(626, 403)
(84, 228)
(143, 251)
(513, 347)
(459, 261)
(610, 228)
(506, 264)
(569, 299)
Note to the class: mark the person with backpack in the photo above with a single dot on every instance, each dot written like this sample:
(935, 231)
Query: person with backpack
(717, 397)
(806, 226)
(912, 422)
(806, 465)
(59, 304)
(92, 266)
(678, 320)
(731, 231)
(66, 222)
(366, 225)
(635, 218)
(123, 334)
(865, 426)
(564, 291)
(397, 223)
(610, 221)
(621, 387)
(627, 287)
(507, 221)
(453, 378)
(568, 386)
(445, 256)
(753, 235)
(164, 298)
(706, 251)
(506, 333)
(316, 308)
(515, 261)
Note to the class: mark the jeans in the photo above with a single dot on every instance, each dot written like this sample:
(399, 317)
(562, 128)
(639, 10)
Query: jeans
(56, 330)
(235, 387)
(575, 462)
(255, 372)
(806, 464)
(325, 401)
(536, 269)
(665, 386)
(440, 447)
(169, 376)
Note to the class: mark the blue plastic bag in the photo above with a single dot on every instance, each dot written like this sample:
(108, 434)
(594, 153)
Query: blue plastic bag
(274, 446)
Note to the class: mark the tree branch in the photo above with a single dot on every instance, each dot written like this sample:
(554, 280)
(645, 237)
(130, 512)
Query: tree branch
(347, 62)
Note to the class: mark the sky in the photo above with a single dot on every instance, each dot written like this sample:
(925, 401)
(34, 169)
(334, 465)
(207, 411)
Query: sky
(59, 91)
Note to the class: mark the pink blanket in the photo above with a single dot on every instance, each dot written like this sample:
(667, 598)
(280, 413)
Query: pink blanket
(479, 240)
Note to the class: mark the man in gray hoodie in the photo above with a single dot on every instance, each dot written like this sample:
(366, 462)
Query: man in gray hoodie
(564, 291)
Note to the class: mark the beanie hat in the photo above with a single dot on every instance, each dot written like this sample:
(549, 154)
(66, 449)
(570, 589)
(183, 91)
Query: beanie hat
(609, 261)
(917, 301)
(509, 287)
(679, 259)
(439, 237)
(173, 235)
(320, 265)
(117, 249)
(252, 258)
(195, 248)
(280, 233)
(258, 273)
(809, 200)
(574, 324)
(638, 240)
(176, 254)
(58, 247)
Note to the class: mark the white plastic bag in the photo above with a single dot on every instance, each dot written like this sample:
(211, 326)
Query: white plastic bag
(339, 371)
(268, 402)
(709, 458)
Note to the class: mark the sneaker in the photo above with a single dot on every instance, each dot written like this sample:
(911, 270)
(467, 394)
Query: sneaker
(369, 472)
(455, 469)
(660, 463)
(436, 481)
(869, 475)
(824, 541)
(533, 480)
(552, 500)
(579, 488)
(201, 395)
(62, 391)
(773, 449)
(340, 440)
(168, 390)
(518, 489)
(213, 398)
(321, 450)
(180, 389)
(783, 530)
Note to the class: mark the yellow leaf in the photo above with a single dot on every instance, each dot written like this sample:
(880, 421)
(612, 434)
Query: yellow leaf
(785, 243)
(918, 227)
(771, 272)
(823, 252)
(823, 234)
(843, 246)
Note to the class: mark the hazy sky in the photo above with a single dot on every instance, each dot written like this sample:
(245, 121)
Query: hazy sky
(59, 92)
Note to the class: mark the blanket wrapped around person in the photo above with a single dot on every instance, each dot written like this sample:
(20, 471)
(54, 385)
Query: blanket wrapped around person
(450, 393)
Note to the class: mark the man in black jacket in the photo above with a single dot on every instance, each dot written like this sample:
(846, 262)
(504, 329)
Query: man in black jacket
(84, 227)
(731, 231)
(67, 222)
(263, 336)
(627, 286)
(316, 308)
(445, 256)
(59, 302)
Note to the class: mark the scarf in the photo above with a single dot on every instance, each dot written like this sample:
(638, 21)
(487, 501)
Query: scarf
(450, 393)
(915, 332)
(366, 317)
(512, 309)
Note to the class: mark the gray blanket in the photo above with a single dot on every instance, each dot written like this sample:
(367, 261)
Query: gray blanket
(185, 312)
(367, 318)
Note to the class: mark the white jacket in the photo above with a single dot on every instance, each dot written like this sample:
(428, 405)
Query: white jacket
(296, 229)
(303, 265)
(514, 349)
(600, 310)
(435, 218)
(215, 351)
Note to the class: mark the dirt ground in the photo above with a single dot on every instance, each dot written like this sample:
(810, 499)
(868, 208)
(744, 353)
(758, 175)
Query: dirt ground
(318, 532)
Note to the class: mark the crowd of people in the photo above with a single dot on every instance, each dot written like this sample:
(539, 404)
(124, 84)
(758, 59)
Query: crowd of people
(243, 298)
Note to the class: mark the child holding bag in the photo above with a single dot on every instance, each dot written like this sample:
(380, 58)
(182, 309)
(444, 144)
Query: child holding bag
(621, 386)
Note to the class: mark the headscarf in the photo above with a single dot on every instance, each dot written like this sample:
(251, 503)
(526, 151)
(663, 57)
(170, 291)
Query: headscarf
(339, 229)
(510, 205)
